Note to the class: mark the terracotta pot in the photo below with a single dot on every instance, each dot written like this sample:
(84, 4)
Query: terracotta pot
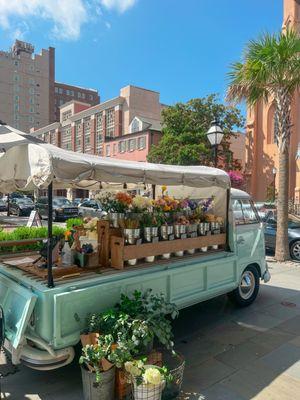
(89, 338)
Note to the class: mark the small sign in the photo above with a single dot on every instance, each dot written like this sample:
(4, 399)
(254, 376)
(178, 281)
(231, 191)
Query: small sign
(171, 237)
(138, 242)
(183, 236)
(155, 239)
(34, 219)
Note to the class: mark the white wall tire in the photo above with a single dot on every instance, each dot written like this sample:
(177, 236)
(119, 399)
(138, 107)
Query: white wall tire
(248, 288)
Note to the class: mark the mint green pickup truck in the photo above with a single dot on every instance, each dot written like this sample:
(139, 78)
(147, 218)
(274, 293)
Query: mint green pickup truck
(42, 324)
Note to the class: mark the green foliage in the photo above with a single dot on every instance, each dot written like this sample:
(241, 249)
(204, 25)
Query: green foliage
(270, 68)
(73, 222)
(154, 309)
(24, 232)
(184, 140)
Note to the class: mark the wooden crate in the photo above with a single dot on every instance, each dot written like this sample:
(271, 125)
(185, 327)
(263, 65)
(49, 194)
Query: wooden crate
(105, 232)
(121, 252)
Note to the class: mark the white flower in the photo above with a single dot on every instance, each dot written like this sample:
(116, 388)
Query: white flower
(132, 368)
(152, 376)
(141, 202)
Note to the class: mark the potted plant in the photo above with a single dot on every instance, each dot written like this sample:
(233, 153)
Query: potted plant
(180, 230)
(139, 205)
(132, 233)
(150, 230)
(116, 205)
(154, 309)
(98, 373)
(148, 381)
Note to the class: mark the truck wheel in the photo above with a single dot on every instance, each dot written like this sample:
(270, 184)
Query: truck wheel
(246, 292)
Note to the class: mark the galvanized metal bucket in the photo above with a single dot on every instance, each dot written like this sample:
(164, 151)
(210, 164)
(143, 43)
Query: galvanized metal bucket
(104, 390)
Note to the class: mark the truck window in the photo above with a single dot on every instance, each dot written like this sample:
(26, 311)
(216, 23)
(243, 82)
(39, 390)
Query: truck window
(238, 212)
(250, 214)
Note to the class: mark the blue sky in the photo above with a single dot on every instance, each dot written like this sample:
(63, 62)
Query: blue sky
(180, 48)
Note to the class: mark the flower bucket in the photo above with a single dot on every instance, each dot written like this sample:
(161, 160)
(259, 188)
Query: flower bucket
(150, 259)
(104, 390)
(175, 364)
(89, 338)
(148, 392)
(115, 218)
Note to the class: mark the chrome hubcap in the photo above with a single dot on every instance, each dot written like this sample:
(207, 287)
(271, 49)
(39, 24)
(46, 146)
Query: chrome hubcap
(296, 251)
(247, 285)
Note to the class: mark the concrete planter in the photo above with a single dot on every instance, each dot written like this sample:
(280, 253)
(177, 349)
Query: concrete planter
(104, 390)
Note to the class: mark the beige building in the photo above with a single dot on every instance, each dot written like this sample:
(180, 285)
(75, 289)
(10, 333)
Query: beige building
(29, 95)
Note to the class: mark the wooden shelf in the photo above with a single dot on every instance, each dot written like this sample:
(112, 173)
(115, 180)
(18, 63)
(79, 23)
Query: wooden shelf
(121, 253)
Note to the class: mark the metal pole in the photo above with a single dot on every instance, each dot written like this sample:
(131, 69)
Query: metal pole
(216, 155)
(49, 242)
(8, 204)
(274, 188)
(153, 192)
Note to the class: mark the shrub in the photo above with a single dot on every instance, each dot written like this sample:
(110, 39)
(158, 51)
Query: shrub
(24, 232)
(73, 222)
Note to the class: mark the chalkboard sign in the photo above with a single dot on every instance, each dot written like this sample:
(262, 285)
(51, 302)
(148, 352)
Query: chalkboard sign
(34, 219)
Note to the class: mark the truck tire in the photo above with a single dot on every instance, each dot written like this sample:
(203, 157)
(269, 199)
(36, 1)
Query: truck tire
(248, 288)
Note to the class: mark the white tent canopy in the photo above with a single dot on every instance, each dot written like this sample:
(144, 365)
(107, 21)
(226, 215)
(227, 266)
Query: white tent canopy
(35, 166)
(10, 137)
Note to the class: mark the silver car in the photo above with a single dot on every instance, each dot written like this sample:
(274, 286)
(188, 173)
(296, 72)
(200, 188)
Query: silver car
(90, 208)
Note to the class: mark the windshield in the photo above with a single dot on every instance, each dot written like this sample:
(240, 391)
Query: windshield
(61, 202)
(292, 223)
(24, 201)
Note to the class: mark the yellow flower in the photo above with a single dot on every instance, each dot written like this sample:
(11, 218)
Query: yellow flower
(152, 376)
(163, 188)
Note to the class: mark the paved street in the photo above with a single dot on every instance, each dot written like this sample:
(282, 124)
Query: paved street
(13, 221)
(231, 354)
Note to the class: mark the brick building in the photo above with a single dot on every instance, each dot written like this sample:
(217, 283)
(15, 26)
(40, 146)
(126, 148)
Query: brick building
(123, 127)
(30, 97)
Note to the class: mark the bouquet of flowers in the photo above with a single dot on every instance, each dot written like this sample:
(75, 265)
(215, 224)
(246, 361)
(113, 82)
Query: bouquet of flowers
(141, 203)
(115, 202)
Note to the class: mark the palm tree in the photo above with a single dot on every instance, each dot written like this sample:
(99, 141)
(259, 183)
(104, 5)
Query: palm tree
(270, 70)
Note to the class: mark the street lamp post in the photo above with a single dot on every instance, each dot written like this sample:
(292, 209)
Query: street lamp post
(215, 135)
(274, 171)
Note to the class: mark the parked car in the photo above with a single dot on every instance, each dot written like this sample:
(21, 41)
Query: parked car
(62, 208)
(263, 209)
(90, 208)
(3, 205)
(293, 235)
(79, 201)
(21, 206)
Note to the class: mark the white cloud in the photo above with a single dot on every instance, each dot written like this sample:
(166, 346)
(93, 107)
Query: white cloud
(119, 5)
(67, 16)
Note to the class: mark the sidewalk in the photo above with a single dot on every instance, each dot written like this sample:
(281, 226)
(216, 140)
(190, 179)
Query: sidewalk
(231, 354)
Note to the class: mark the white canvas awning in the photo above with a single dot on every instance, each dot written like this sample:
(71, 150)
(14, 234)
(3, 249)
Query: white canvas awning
(30, 166)
(10, 137)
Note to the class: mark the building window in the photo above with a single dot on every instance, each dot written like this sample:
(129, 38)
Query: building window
(87, 134)
(68, 92)
(16, 107)
(83, 95)
(16, 78)
(132, 144)
(31, 100)
(115, 148)
(61, 102)
(107, 150)
(142, 142)
(78, 136)
(56, 89)
(66, 137)
(31, 90)
(31, 109)
(135, 125)
(30, 118)
(79, 95)
(31, 81)
(72, 92)
(122, 146)
(16, 63)
(110, 122)
(53, 137)
(66, 115)
(60, 91)
(99, 133)
(91, 97)
(17, 98)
